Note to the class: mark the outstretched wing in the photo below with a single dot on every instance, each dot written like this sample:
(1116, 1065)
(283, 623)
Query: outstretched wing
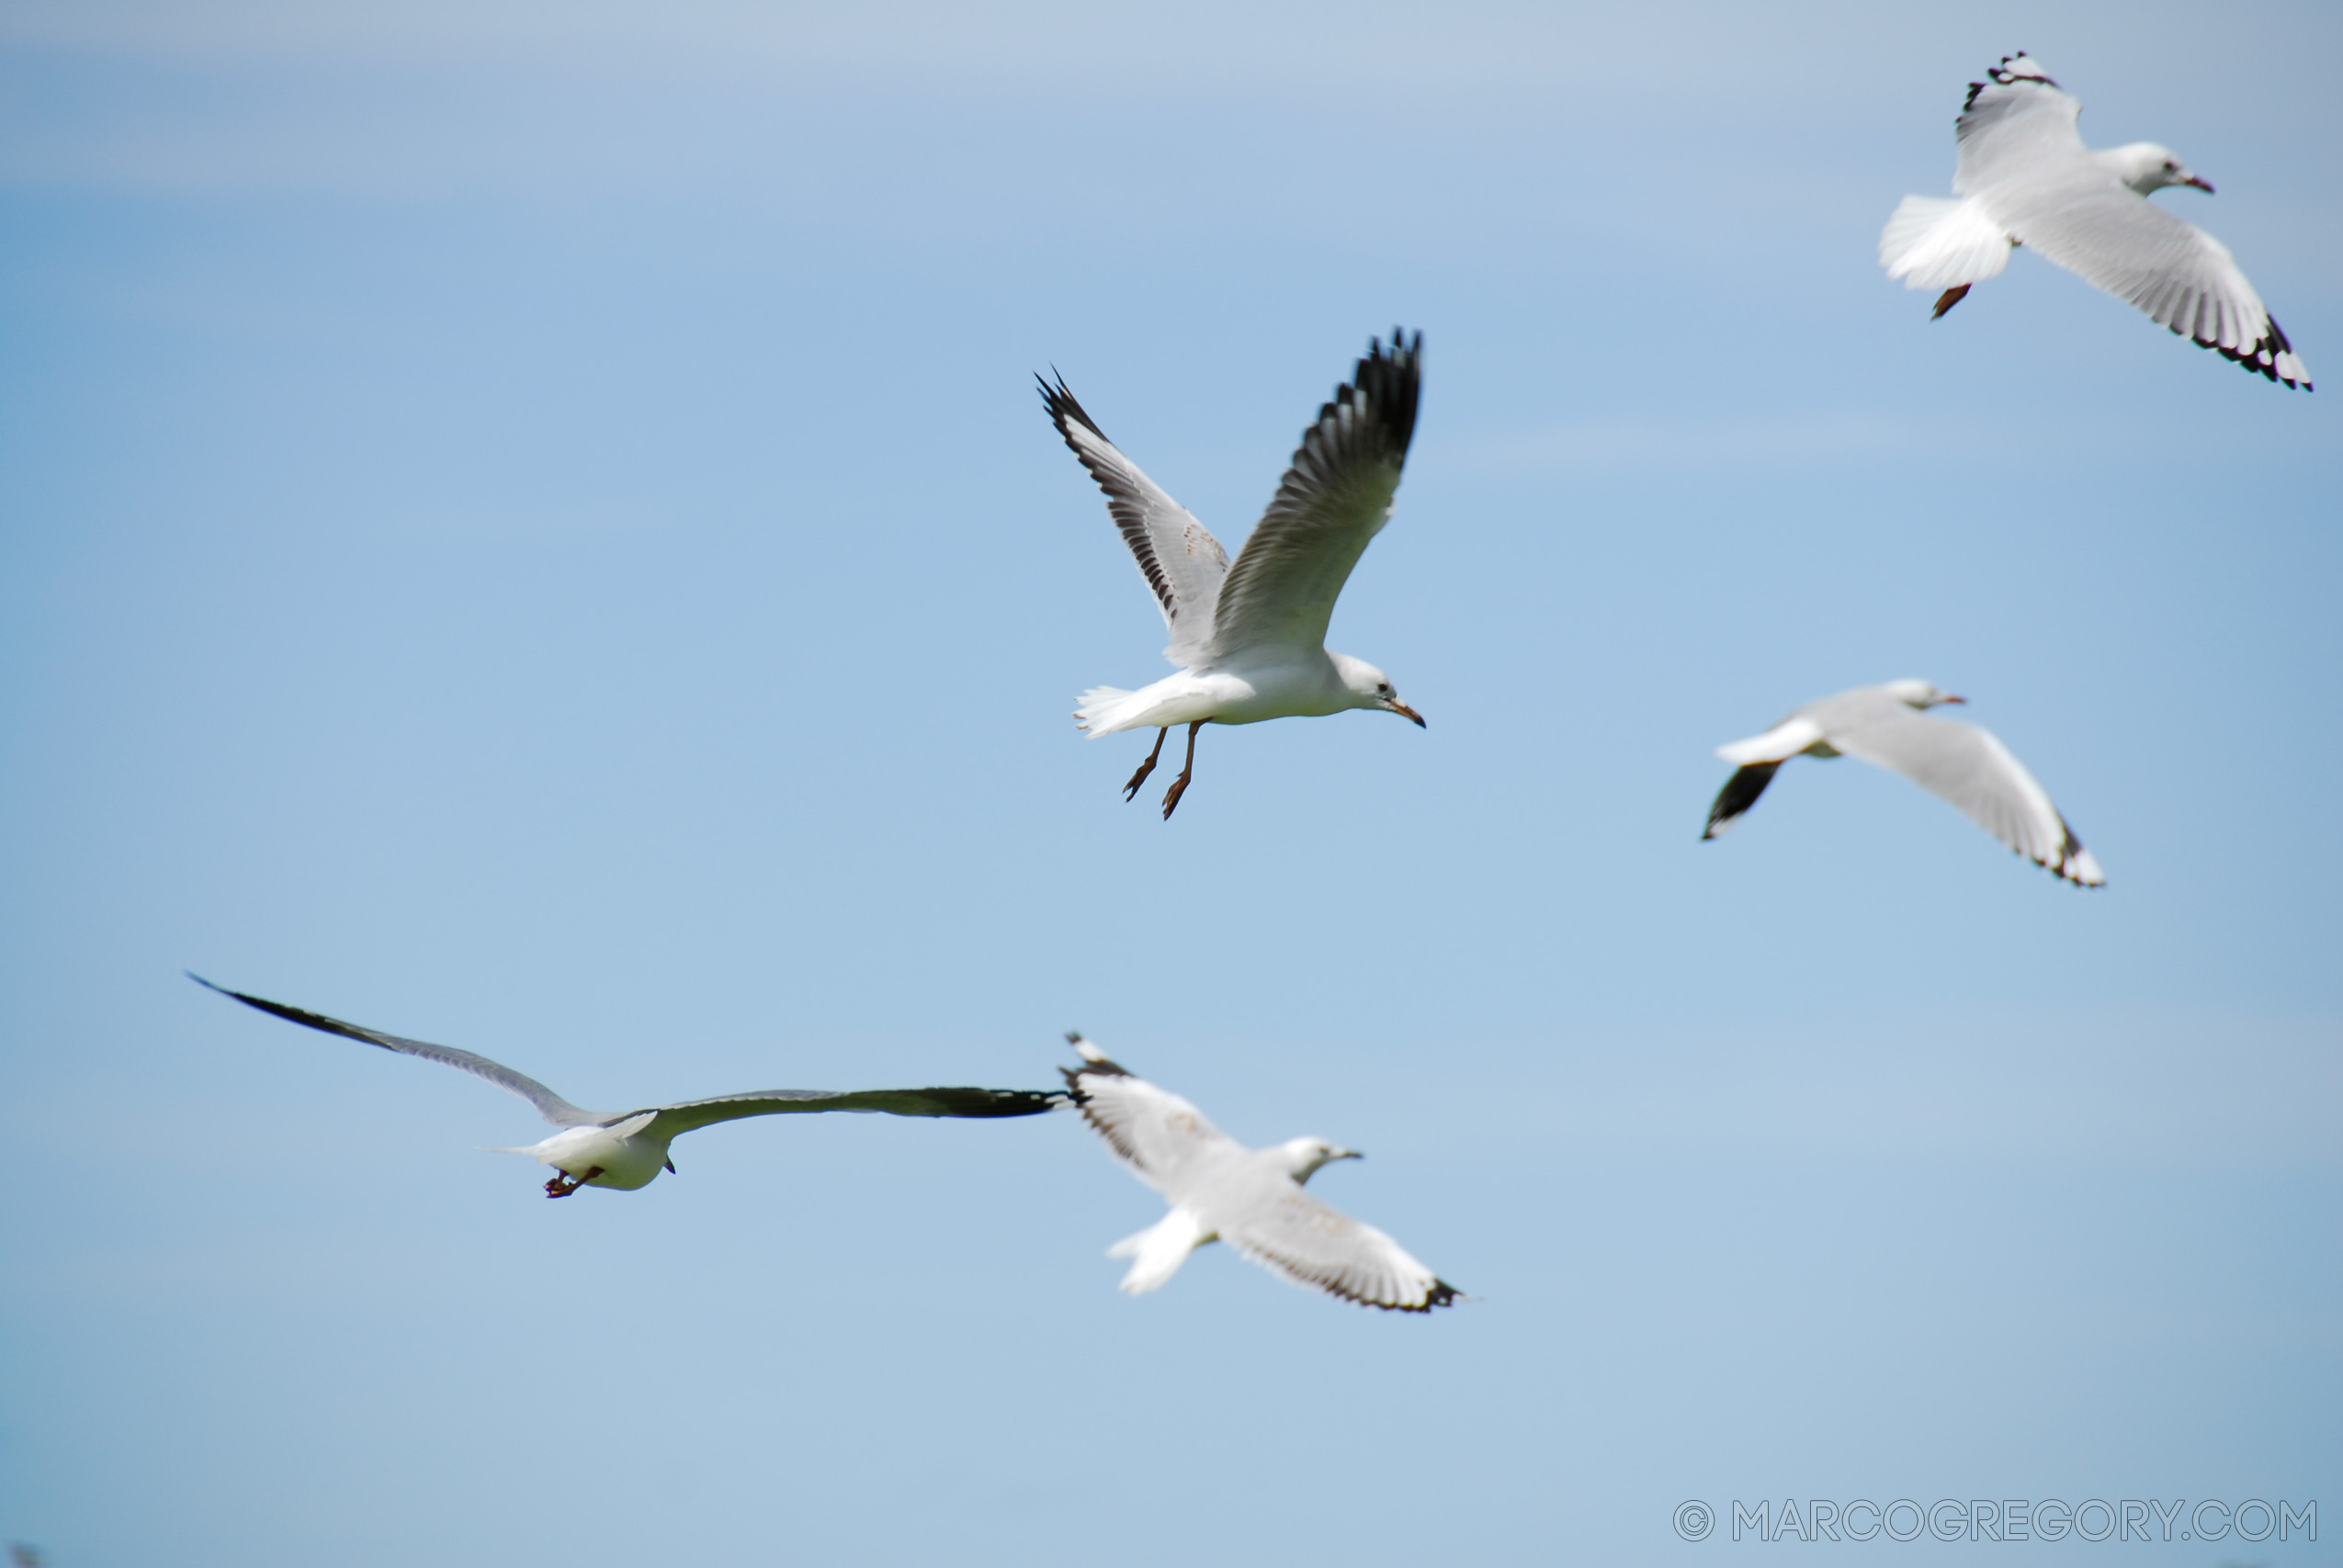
(1182, 563)
(1972, 769)
(2184, 279)
(1335, 498)
(683, 1117)
(2015, 122)
(1313, 1244)
(1741, 793)
(550, 1105)
(1158, 1134)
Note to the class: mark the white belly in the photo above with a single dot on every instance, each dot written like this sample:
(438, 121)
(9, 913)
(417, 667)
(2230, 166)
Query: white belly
(627, 1161)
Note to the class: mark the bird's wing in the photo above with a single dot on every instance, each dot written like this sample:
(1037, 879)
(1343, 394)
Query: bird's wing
(1741, 793)
(686, 1115)
(550, 1105)
(1781, 743)
(1158, 1134)
(1313, 1244)
(1972, 769)
(2014, 125)
(1335, 497)
(1180, 559)
(2184, 279)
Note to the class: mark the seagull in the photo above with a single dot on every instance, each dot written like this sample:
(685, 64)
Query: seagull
(629, 1149)
(1250, 640)
(1251, 1199)
(2025, 178)
(1958, 762)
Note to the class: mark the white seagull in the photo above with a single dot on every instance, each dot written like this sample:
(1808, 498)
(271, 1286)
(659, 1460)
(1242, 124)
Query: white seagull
(1958, 763)
(628, 1149)
(1249, 639)
(2025, 178)
(1251, 1199)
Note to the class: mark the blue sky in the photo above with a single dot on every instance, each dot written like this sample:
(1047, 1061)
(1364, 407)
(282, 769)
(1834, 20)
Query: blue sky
(529, 526)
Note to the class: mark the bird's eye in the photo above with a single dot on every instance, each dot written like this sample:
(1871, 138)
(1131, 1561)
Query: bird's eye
(1383, 691)
(2169, 165)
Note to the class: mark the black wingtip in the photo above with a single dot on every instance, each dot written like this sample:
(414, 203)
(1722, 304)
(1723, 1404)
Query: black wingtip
(1390, 379)
(1441, 1294)
(293, 1014)
(261, 1002)
(1098, 1065)
(1019, 1102)
(1063, 406)
(1739, 794)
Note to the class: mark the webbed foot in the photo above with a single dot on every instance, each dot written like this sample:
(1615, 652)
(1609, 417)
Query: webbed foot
(563, 1183)
(1147, 767)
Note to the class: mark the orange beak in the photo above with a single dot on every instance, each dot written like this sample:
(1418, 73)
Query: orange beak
(1404, 711)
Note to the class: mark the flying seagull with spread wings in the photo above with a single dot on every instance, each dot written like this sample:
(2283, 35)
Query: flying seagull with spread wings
(2025, 178)
(1251, 1199)
(1958, 762)
(628, 1149)
(1250, 640)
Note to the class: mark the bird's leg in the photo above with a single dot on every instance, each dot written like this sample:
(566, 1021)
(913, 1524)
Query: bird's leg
(1949, 298)
(563, 1183)
(1147, 767)
(1180, 785)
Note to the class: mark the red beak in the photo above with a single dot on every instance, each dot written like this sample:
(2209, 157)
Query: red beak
(2199, 183)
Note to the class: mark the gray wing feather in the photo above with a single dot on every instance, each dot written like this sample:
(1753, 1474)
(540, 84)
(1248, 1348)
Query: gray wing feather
(2181, 277)
(1315, 1245)
(1159, 1136)
(686, 1115)
(1335, 497)
(550, 1105)
(1972, 769)
(2018, 120)
(1182, 563)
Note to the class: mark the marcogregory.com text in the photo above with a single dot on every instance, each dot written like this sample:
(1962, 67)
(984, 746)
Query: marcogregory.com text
(2009, 1518)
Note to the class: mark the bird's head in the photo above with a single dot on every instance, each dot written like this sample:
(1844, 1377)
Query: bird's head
(1371, 688)
(1302, 1157)
(1920, 694)
(2147, 166)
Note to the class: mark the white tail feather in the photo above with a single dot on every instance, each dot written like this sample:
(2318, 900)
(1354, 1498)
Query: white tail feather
(1784, 741)
(1933, 241)
(1104, 710)
(1158, 1251)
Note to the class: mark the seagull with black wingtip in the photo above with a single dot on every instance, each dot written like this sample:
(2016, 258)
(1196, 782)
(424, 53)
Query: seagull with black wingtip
(627, 1149)
(1251, 1199)
(1249, 639)
(1957, 762)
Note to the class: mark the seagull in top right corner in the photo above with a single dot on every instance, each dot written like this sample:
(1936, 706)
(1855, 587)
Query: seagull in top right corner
(2025, 178)
(1957, 762)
